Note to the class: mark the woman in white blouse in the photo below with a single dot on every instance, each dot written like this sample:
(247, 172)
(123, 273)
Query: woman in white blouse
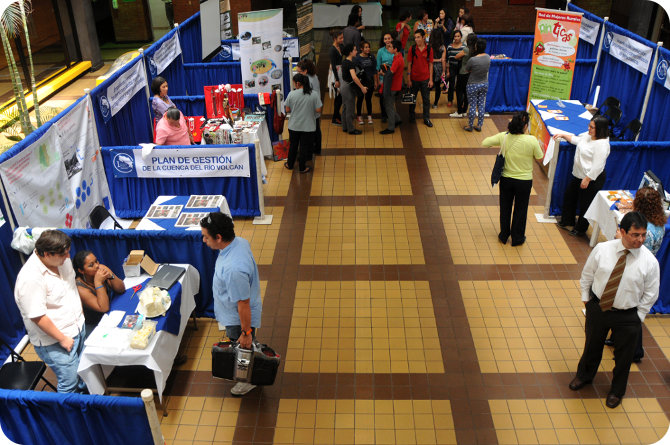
(588, 174)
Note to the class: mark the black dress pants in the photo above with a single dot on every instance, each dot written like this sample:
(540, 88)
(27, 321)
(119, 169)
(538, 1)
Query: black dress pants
(462, 92)
(575, 197)
(317, 137)
(300, 146)
(514, 193)
(420, 86)
(625, 326)
(337, 104)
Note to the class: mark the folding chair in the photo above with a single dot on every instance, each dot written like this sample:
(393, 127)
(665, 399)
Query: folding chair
(20, 374)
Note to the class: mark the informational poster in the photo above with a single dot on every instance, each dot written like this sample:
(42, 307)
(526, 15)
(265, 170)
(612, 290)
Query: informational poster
(165, 55)
(122, 90)
(305, 25)
(589, 30)
(182, 163)
(58, 180)
(554, 54)
(261, 50)
(629, 51)
(226, 22)
(230, 50)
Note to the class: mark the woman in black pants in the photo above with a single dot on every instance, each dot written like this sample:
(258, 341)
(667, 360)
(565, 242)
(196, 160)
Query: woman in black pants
(588, 174)
(463, 75)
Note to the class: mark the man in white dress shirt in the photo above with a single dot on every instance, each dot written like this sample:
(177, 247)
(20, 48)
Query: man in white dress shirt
(619, 285)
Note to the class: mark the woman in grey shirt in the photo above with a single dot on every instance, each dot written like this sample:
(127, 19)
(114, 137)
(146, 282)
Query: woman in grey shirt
(478, 85)
(304, 105)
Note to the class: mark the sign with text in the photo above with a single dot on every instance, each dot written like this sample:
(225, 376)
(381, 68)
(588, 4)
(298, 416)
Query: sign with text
(122, 90)
(163, 57)
(554, 54)
(589, 30)
(182, 162)
(629, 51)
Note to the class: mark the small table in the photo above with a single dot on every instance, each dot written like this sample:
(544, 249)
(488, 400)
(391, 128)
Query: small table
(548, 117)
(97, 362)
(170, 223)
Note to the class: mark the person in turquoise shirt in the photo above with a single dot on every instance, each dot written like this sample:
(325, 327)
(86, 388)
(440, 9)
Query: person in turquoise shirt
(385, 57)
(236, 285)
(516, 182)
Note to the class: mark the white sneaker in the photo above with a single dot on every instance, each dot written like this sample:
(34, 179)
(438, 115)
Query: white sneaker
(456, 114)
(487, 115)
(241, 388)
(370, 120)
(434, 107)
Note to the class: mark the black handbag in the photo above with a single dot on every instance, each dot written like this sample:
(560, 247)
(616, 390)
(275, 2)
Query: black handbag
(407, 97)
(258, 366)
(496, 174)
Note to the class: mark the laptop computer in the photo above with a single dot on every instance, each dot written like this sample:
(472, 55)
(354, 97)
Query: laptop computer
(166, 276)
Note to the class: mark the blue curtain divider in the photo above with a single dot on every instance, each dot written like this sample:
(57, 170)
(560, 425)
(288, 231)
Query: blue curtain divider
(508, 85)
(132, 197)
(191, 39)
(620, 80)
(132, 123)
(662, 305)
(11, 323)
(658, 106)
(513, 46)
(625, 166)
(38, 418)
(164, 246)
(581, 79)
(173, 73)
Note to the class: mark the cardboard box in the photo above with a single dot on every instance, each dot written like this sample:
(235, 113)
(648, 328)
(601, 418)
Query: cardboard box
(138, 261)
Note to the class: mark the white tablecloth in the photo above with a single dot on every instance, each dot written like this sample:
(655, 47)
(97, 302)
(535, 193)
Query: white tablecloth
(328, 16)
(96, 363)
(147, 224)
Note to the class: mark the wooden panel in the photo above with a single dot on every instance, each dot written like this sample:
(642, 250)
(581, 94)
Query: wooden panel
(131, 21)
(184, 9)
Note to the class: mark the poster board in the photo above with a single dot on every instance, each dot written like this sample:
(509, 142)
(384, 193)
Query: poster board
(210, 27)
(554, 54)
(261, 50)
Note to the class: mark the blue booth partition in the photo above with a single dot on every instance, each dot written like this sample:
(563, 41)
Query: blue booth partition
(173, 73)
(662, 305)
(659, 102)
(38, 418)
(585, 50)
(11, 323)
(508, 85)
(513, 46)
(191, 39)
(133, 196)
(111, 247)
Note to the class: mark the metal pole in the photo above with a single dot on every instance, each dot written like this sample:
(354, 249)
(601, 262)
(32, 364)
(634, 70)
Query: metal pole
(567, 4)
(152, 417)
(650, 83)
(600, 48)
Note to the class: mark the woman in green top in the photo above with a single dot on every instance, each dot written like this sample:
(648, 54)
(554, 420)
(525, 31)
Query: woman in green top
(519, 150)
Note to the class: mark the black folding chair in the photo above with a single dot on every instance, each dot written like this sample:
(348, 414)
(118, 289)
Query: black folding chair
(20, 374)
(98, 215)
(610, 102)
(630, 132)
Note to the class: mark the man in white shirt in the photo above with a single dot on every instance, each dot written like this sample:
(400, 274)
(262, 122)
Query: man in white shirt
(47, 297)
(619, 285)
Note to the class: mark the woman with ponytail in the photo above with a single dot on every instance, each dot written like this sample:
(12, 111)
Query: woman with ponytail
(304, 104)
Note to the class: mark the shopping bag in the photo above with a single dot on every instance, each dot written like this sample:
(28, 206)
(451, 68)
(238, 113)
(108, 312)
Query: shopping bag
(280, 150)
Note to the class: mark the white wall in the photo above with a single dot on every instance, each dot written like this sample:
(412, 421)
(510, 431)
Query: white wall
(159, 23)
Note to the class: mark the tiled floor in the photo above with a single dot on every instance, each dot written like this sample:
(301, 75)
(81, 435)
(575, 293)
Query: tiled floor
(401, 319)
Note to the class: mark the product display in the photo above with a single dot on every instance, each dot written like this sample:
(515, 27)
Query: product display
(219, 99)
(154, 301)
(142, 337)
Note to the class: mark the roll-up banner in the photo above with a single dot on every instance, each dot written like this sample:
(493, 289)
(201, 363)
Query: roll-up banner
(554, 54)
(182, 163)
(261, 50)
(59, 179)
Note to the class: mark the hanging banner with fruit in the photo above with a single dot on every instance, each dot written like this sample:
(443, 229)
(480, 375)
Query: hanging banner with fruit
(554, 54)
(261, 50)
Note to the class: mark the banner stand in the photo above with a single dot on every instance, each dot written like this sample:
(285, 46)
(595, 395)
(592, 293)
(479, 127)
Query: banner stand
(263, 219)
(654, 64)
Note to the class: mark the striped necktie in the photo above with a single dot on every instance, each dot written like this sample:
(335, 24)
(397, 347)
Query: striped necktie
(607, 298)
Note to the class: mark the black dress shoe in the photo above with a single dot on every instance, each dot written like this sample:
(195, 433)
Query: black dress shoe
(564, 226)
(612, 401)
(637, 359)
(576, 233)
(520, 242)
(356, 132)
(386, 131)
(502, 239)
(428, 122)
(577, 384)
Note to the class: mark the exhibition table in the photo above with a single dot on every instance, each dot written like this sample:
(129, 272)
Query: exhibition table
(109, 346)
(328, 16)
(253, 130)
(605, 217)
(175, 212)
(548, 117)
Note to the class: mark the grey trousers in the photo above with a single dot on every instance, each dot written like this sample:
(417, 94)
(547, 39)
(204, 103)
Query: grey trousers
(348, 107)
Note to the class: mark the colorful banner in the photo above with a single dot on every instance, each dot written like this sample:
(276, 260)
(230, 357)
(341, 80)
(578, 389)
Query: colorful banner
(261, 50)
(58, 180)
(230, 50)
(163, 57)
(182, 162)
(554, 54)
(122, 90)
(629, 51)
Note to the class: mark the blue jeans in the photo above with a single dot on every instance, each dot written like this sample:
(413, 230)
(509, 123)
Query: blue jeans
(234, 332)
(64, 364)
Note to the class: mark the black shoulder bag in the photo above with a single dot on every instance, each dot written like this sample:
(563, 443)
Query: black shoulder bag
(499, 164)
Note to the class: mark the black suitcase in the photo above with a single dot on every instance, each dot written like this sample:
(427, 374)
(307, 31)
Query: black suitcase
(258, 367)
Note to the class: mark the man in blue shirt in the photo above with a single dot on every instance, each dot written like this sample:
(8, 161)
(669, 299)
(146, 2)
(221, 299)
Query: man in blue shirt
(236, 286)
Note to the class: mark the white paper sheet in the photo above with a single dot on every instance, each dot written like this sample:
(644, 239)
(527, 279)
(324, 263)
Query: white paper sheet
(550, 152)
(586, 115)
(112, 319)
(146, 149)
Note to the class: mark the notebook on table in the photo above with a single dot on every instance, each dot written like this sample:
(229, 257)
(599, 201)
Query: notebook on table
(166, 276)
